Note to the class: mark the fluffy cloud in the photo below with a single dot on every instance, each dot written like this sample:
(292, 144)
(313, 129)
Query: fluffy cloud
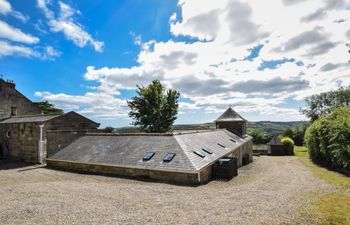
(5, 9)
(66, 24)
(302, 54)
(14, 34)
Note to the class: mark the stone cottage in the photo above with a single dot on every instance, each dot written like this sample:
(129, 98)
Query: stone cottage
(13, 103)
(24, 130)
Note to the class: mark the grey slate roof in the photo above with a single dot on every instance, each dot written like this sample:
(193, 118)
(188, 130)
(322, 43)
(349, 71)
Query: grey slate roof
(275, 141)
(29, 119)
(128, 151)
(230, 115)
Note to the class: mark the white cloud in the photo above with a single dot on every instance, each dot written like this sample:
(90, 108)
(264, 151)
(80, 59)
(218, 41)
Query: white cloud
(8, 49)
(5, 9)
(66, 24)
(15, 34)
(212, 71)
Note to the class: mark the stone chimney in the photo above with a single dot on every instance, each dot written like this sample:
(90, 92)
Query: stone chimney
(11, 83)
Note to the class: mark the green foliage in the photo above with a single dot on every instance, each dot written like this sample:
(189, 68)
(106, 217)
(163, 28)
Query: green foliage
(153, 109)
(289, 145)
(288, 132)
(321, 104)
(298, 135)
(109, 129)
(48, 108)
(328, 139)
(259, 137)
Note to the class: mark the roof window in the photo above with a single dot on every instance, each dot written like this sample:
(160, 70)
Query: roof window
(221, 145)
(232, 140)
(168, 157)
(148, 156)
(199, 154)
(207, 150)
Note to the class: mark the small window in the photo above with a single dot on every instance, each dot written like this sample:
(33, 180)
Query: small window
(148, 156)
(8, 134)
(207, 150)
(233, 140)
(221, 145)
(199, 154)
(13, 111)
(168, 157)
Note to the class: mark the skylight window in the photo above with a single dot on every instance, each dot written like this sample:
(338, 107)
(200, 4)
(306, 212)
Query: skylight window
(233, 140)
(207, 150)
(168, 157)
(221, 145)
(148, 156)
(199, 154)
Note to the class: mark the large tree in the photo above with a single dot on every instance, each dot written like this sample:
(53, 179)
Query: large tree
(154, 109)
(321, 104)
(48, 108)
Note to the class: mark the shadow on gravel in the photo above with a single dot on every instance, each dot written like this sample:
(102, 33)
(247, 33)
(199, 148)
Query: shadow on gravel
(6, 164)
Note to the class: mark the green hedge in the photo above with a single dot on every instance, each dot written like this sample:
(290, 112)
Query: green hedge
(288, 144)
(328, 139)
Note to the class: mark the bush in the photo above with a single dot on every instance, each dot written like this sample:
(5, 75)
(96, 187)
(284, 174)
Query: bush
(328, 139)
(288, 144)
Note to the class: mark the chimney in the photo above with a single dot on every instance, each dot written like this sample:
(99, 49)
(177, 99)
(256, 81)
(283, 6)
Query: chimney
(11, 83)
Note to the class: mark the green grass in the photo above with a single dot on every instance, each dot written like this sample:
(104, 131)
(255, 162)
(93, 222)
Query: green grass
(300, 151)
(329, 208)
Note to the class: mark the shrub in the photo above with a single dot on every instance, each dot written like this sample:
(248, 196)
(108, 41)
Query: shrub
(288, 144)
(328, 139)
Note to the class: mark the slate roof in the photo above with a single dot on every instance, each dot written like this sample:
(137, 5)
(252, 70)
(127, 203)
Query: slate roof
(29, 119)
(128, 150)
(275, 141)
(230, 115)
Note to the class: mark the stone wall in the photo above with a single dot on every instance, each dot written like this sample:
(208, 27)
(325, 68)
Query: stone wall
(20, 141)
(10, 97)
(175, 177)
(238, 128)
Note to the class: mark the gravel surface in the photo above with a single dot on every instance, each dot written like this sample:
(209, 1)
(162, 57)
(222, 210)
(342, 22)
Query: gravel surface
(267, 191)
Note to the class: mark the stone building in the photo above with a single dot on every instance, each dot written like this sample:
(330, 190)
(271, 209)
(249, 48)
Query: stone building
(13, 103)
(185, 157)
(25, 137)
(232, 121)
(23, 128)
(275, 147)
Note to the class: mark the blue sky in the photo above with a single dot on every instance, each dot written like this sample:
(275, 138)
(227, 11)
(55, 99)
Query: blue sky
(88, 56)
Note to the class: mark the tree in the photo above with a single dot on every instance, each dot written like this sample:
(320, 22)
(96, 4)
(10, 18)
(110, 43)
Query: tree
(321, 104)
(154, 109)
(48, 108)
(288, 133)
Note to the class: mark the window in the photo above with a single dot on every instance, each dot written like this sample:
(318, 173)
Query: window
(199, 154)
(221, 145)
(168, 157)
(8, 134)
(207, 150)
(233, 140)
(148, 156)
(13, 111)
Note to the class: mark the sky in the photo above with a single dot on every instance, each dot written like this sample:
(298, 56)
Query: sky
(261, 57)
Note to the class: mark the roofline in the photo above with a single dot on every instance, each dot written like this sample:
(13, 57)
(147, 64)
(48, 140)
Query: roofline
(150, 134)
(124, 166)
(81, 116)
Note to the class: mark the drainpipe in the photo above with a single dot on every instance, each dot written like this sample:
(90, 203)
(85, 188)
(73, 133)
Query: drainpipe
(41, 146)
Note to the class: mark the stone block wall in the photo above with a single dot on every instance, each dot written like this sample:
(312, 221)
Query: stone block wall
(10, 97)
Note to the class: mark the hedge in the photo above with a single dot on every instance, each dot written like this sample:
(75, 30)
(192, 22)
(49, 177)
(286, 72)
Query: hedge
(328, 139)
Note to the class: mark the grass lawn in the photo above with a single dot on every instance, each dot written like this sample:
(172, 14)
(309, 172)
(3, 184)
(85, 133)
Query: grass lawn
(330, 208)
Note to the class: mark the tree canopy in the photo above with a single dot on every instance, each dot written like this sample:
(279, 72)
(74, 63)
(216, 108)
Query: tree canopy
(321, 104)
(48, 108)
(154, 109)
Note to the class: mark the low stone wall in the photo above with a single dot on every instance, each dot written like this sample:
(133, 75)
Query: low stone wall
(173, 177)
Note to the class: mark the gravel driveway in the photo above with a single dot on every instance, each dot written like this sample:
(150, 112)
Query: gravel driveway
(265, 192)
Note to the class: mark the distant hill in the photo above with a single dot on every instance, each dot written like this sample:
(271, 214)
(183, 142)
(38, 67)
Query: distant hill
(268, 127)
